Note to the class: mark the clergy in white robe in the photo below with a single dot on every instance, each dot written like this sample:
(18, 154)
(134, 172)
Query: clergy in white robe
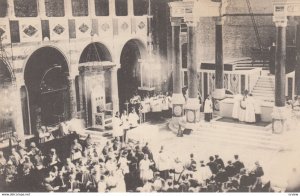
(242, 109)
(133, 119)
(236, 106)
(208, 109)
(250, 110)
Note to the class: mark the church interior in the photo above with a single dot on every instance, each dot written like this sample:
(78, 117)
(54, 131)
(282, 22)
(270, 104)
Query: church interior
(149, 96)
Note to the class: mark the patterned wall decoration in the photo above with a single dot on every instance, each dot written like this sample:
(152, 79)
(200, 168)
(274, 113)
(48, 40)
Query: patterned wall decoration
(30, 30)
(141, 25)
(234, 83)
(4, 31)
(105, 27)
(83, 27)
(59, 29)
(124, 25)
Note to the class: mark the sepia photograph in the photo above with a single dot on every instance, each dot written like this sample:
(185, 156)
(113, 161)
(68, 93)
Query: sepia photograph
(139, 96)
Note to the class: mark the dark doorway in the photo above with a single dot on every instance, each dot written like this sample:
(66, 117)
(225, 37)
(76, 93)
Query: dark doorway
(129, 75)
(46, 80)
(6, 100)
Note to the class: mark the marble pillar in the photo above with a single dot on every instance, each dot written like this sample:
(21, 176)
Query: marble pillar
(114, 89)
(219, 92)
(192, 107)
(297, 66)
(279, 110)
(72, 98)
(177, 97)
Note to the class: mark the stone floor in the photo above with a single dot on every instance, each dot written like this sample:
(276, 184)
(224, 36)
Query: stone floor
(277, 164)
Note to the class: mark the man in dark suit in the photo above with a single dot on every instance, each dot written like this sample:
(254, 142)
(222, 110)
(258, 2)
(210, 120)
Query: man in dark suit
(212, 165)
(230, 170)
(219, 161)
(238, 165)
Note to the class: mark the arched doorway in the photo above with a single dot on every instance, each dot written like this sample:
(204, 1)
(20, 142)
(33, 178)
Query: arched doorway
(130, 73)
(95, 78)
(46, 78)
(6, 99)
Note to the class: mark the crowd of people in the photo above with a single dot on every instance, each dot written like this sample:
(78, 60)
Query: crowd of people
(122, 166)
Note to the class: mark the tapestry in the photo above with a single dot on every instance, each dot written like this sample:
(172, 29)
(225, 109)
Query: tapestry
(59, 29)
(30, 30)
(141, 25)
(83, 27)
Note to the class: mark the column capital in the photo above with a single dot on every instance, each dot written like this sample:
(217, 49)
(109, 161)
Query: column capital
(280, 22)
(191, 23)
(175, 21)
(219, 20)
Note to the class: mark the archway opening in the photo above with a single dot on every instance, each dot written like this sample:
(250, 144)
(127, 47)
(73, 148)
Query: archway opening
(46, 78)
(97, 80)
(130, 73)
(6, 100)
(95, 52)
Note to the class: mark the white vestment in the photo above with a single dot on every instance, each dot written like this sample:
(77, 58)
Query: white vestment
(250, 110)
(236, 106)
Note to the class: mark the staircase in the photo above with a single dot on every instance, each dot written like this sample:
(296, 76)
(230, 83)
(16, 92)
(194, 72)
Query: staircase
(248, 64)
(238, 135)
(264, 89)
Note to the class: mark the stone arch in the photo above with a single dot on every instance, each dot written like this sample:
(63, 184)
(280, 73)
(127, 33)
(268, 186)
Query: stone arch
(133, 53)
(102, 53)
(46, 79)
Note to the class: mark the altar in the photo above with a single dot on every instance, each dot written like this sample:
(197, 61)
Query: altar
(226, 106)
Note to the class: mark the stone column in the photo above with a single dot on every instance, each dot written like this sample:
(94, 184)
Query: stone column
(17, 115)
(72, 98)
(112, 8)
(10, 9)
(91, 6)
(192, 107)
(177, 97)
(279, 109)
(219, 92)
(130, 8)
(42, 8)
(68, 8)
(114, 89)
(297, 66)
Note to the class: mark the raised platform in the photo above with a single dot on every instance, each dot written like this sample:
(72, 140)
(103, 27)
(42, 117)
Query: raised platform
(222, 130)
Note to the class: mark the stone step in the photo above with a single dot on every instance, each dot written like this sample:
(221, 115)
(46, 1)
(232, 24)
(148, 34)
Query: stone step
(229, 140)
(225, 132)
(267, 86)
(263, 94)
(256, 89)
(264, 88)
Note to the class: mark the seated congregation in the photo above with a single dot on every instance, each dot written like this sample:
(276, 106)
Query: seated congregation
(120, 166)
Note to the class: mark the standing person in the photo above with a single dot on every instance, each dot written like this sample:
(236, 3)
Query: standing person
(118, 130)
(145, 171)
(257, 108)
(163, 163)
(250, 110)
(236, 106)
(165, 106)
(133, 118)
(76, 150)
(125, 124)
(208, 109)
